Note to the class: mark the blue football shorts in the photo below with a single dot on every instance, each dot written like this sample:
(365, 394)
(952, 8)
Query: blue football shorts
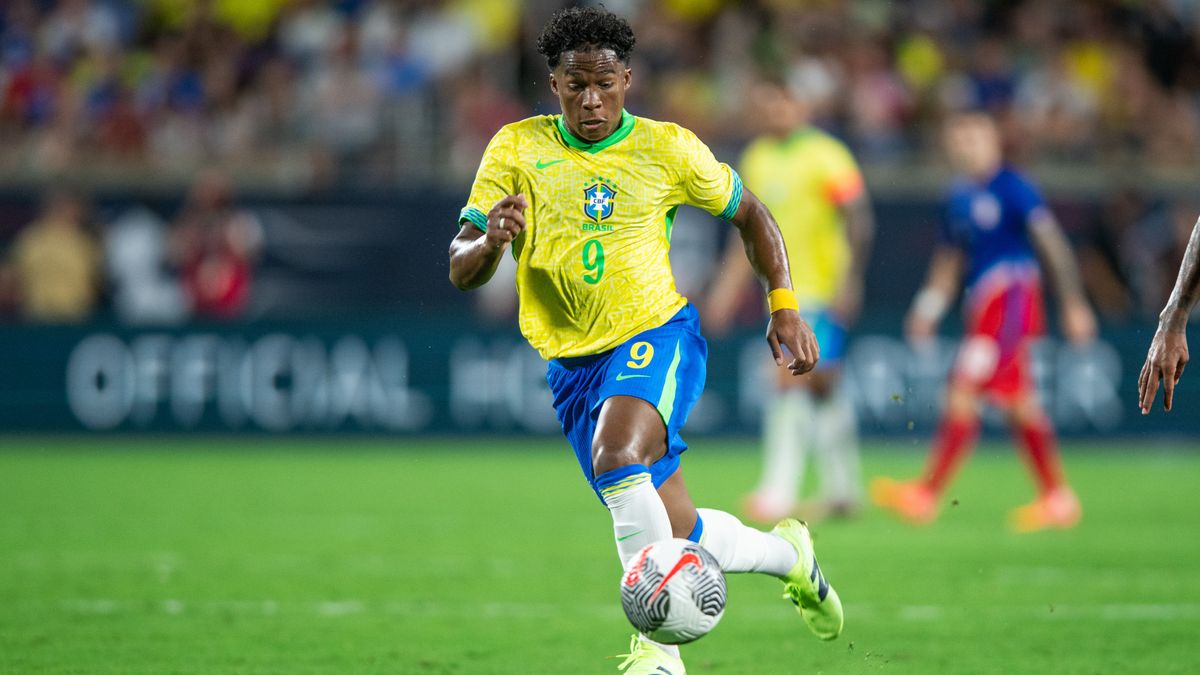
(664, 366)
(830, 334)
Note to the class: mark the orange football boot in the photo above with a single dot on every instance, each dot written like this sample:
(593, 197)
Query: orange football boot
(1058, 509)
(911, 500)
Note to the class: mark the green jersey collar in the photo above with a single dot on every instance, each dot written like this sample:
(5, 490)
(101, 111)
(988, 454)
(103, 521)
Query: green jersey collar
(627, 122)
(798, 135)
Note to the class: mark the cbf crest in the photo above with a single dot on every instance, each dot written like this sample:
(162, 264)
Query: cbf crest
(598, 201)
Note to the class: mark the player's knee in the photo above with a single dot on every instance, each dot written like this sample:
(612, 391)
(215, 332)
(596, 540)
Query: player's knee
(612, 456)
(1026, 411)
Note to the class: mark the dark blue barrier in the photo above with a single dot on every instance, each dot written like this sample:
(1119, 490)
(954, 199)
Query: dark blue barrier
(337, 254)
(420, 364)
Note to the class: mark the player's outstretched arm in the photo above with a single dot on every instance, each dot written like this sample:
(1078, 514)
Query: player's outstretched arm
(860, 231)
(725, 292)
(1168, 350)
(1078, 321)
(768, 258)
(934, 298)
(474, 254)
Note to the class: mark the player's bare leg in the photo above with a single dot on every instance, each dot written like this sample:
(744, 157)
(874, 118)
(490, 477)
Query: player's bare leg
(680, 507)
(917, 501)
(786, 553)
(737, 547)
(787, 424)
(835, 441)
(630, 436)
(1056, 505)
(631, 433)
(807, 413)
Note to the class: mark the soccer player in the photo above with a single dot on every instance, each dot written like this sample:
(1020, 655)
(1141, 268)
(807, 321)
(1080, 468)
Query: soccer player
(585, 201)
(811, 183)
(995, 227)
(1168, 350)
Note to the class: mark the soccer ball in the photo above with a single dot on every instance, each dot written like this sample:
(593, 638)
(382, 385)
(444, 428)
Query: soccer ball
(673, 591)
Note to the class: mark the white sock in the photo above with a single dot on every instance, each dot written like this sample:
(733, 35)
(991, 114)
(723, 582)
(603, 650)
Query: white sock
(744, 549)
(639, 516)
(787, 419)
(836, 442)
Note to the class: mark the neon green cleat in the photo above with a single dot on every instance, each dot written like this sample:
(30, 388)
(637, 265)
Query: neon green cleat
(647, 658)
(806, 587)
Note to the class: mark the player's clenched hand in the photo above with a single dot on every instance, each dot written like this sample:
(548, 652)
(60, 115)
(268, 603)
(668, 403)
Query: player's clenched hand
(506, 220)
(787, 329)
(1167, 357)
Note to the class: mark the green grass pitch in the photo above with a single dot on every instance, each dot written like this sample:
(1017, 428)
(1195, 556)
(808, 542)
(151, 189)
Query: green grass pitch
(492, 556)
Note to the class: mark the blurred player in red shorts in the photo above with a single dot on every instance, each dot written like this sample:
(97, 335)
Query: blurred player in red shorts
(995, 228)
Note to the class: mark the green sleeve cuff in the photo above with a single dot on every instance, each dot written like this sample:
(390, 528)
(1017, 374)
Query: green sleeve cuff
(478, 219)
(735, 199)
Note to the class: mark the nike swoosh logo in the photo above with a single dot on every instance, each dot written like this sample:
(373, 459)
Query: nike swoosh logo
(684, 560)
(541, 165)
(630, 535)
(623, 376)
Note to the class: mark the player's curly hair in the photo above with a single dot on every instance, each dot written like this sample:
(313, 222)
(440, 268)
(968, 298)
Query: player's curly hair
(584, 27)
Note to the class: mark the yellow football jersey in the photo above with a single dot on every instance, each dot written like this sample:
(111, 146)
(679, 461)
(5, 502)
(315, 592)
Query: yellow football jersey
(803, 179)
(592, 266)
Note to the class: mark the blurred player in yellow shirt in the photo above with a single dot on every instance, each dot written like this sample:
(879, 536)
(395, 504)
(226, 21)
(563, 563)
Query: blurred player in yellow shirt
(813, 185)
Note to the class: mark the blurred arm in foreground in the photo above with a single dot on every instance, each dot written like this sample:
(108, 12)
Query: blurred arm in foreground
(1168, 350)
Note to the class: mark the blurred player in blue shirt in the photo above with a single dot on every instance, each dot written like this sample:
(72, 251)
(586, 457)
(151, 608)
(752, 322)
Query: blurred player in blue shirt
(995, 228)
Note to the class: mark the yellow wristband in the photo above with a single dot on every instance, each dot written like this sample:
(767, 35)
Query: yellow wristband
(782, 298)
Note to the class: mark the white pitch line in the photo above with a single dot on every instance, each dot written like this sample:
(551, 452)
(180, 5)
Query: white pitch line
(1157, 612)
(1110, 612)
(921, 613)
(336, 608)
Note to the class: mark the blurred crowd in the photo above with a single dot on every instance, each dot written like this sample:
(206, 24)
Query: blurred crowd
(313, 91)
(381, 93)
(65, 264)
